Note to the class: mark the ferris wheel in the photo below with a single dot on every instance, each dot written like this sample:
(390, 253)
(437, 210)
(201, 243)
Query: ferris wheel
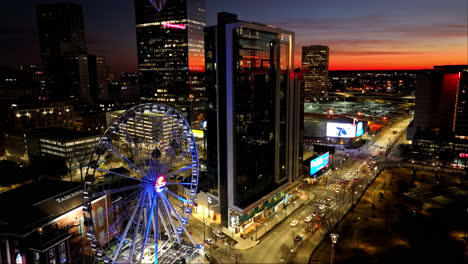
(141, 185)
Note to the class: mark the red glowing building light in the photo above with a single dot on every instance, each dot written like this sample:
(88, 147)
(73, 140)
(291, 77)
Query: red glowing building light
(174, 26)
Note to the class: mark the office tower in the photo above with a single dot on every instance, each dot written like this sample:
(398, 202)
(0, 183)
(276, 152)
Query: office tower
(253, 117)
(170, 52)
(72, 73)
(440, 122)
(315, 59)
(61, 34)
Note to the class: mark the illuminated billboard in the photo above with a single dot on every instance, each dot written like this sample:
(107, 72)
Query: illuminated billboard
(359, 129)
(342, 130)
(319, 163)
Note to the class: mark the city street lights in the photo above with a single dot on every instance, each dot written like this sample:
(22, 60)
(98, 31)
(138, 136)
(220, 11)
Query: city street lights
(334, 239)
(357, 233)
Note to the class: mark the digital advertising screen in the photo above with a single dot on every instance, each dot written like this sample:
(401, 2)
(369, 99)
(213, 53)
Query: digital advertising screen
(359, 129)
(342, 130)
(319, 163)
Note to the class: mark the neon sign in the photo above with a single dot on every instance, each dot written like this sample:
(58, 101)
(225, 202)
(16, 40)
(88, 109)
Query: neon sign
(463, 155)
(174, 26)
(160, 183)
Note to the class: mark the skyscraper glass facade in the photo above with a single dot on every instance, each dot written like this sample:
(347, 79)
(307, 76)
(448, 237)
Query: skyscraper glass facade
(170, 52)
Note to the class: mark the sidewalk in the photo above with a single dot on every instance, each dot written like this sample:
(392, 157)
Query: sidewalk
(263, 230)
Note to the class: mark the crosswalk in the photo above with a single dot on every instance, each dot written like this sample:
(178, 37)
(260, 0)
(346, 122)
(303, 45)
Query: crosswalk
(331, 204)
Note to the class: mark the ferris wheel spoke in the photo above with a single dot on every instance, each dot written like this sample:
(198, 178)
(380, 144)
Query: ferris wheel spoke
(124, 159)
(148, 226)
(188, 167)
(136, 231)
(136, 149)
(118, 174)
(178, 183)
(161, 213)
(166, 206)
(123, 189)
(178, 197)
(127, 228)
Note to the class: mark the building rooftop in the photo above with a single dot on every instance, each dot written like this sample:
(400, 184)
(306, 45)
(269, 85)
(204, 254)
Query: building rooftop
(62, 134)
(33, 205)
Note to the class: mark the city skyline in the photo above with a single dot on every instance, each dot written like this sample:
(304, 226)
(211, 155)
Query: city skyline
(367, 35)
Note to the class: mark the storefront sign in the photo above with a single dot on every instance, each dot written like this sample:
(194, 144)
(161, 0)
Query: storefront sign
(68, 196)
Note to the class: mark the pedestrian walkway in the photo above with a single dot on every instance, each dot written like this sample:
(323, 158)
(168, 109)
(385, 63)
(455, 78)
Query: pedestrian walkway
(265, 228)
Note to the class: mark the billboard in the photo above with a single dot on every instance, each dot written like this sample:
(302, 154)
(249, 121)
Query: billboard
(342, 130)
(319, 163)
(359, 129)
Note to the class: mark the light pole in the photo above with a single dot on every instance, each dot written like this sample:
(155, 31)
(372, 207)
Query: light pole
(256, 231)
(265, 227)
(334, 239)
(357, 233)
(276, 217)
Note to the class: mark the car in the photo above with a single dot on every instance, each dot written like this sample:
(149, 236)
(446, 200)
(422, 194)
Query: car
(348, 187)
(219, 234)
(321, 207)
(348, 172)
(328, 198)
(363, 171)
(341, 181)
(314, 214)
(346, 182)
(209, 241)
(298, 238)
(308, 219)
(356, 180)
(294, 223)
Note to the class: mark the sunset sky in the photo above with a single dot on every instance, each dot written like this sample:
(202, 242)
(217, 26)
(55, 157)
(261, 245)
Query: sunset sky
(362, 34)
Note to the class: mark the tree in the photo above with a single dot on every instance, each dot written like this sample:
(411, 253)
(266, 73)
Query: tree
(287, 253)
(330, 221)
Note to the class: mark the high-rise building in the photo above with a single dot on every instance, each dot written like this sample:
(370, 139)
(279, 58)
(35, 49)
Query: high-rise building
(440, 122)
(61, 34)
(72, 74)
(315, 59)
(170, 53)
(253, 117)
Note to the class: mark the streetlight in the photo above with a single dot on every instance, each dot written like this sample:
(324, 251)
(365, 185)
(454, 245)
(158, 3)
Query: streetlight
(265, 227)
(276, 217)
(357, 233)
(334, 239)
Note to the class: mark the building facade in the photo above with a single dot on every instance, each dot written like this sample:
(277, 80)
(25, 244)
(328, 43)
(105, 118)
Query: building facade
(253, 115)
(46, 226)
(170, 53)
(315, 60)
(440, 122)
(72, 73)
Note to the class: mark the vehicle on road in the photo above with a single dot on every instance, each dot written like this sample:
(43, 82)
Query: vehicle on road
(314, 214)
(328, 198)
(363, 171)
(298, 238)
(294, 223)
(321, 207)
(348, 187)
(356, 180)
(209, 241)
(219, 234)
(308, 219)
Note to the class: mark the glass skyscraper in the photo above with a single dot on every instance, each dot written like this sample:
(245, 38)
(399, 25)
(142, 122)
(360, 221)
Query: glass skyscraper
(171, 59)
(252, 115)
(315, 60)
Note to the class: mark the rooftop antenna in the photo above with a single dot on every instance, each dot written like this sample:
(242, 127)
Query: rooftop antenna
(158, 4)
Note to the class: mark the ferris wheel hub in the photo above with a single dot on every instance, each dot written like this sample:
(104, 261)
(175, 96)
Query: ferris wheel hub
(160, 183)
